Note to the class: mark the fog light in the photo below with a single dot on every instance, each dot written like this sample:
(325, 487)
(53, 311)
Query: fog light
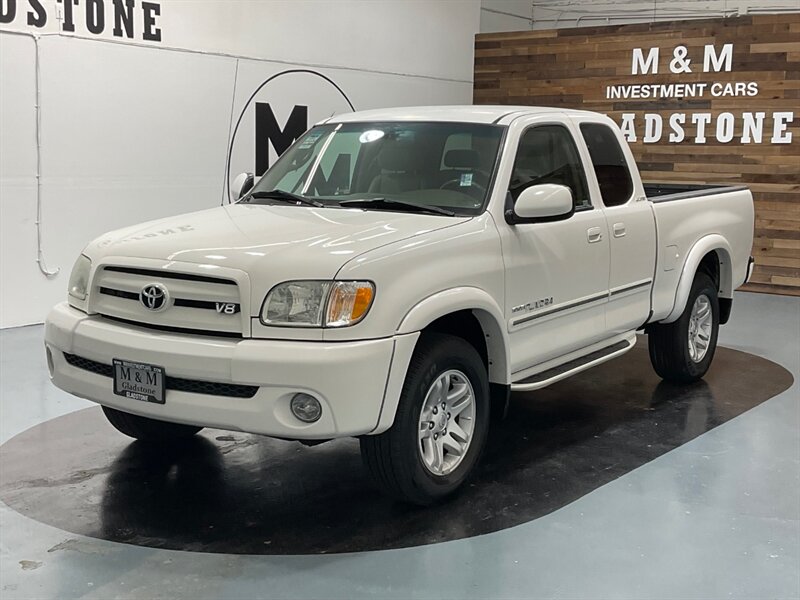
(306, 408)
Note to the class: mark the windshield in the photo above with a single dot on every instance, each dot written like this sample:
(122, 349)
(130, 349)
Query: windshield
(438, 165)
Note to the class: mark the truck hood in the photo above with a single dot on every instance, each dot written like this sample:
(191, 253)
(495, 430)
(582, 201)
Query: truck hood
(272, 243)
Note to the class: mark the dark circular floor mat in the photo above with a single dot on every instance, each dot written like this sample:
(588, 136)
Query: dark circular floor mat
(239, 493)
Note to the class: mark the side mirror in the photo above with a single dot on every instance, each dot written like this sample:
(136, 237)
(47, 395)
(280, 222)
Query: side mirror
(241, 184)
(543, 202)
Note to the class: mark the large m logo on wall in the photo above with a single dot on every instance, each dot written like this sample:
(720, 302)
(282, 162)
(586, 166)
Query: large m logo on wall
(275, 112)
(269, 132)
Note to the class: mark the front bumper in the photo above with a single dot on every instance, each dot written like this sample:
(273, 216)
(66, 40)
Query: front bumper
(350, 379)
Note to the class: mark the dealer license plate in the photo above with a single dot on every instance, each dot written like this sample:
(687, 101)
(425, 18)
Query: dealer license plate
(139, 381)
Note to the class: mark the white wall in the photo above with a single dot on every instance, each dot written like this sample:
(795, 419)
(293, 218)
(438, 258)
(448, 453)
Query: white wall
(133, 130)
(518, 15)
(506, 15)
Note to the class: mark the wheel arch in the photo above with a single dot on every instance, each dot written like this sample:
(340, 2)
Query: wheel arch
(711, 254)
(469, 313)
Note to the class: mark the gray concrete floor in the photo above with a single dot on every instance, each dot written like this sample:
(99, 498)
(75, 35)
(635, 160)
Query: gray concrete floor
(718, 517)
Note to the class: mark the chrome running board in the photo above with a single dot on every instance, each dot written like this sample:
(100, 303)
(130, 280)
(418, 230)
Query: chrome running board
(573, 367)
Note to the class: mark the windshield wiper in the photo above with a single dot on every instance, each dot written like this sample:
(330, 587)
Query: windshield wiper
(284, 196)
(388, 204)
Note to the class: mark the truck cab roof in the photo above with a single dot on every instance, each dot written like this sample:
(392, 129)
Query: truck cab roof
(462, 114)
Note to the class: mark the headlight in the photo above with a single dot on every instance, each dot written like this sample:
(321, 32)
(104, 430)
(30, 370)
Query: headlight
(79, 278)
(317, 303)
(297, 303)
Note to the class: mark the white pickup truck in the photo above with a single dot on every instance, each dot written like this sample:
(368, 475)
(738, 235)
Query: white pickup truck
(394, 276)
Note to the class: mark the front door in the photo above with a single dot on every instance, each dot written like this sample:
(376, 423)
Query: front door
(557, 272)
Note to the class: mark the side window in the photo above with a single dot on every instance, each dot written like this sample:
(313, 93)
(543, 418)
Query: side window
(610, 166)
(547, 154)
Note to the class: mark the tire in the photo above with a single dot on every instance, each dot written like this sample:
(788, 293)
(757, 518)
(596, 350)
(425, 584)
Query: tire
(395, 458)
(145, 429)
(671, 353)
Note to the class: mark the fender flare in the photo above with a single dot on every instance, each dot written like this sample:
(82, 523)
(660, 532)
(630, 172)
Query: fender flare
(703, 246)
(485, 309)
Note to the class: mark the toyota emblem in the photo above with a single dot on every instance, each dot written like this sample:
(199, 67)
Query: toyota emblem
(154, 297)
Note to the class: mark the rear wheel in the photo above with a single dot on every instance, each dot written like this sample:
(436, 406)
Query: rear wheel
(146, 429)
(682, 351)
(440, 427)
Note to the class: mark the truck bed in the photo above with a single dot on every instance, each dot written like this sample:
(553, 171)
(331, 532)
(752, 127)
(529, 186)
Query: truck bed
(704, 212)
(667, 192)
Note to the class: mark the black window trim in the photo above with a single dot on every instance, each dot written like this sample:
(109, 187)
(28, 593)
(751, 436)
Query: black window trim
(594, 173)
(508, 210)
(490, 185)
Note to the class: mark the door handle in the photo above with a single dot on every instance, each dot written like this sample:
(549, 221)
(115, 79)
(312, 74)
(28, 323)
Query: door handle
(595, 234)
(619, 230)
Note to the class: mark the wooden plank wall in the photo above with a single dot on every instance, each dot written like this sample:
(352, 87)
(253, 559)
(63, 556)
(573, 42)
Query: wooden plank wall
(572, 67)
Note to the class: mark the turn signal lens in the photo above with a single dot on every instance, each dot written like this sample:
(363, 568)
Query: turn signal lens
(79, 278)
(348, 303)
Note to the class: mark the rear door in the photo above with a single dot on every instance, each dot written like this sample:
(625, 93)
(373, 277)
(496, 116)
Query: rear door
(556, 272)
(631, 226)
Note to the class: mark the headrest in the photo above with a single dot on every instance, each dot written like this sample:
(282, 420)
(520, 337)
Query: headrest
(461, 159)
(396, 157)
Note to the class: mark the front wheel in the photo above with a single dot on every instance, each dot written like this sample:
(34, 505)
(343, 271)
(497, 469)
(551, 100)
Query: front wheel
(682, 351)
(440, 427)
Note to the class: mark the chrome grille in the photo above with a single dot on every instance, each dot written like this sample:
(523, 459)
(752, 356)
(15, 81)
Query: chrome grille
(197, 302)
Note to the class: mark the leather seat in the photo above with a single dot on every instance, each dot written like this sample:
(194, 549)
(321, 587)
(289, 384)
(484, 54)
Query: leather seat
(460, 162)
(398, 167)
(462, 159)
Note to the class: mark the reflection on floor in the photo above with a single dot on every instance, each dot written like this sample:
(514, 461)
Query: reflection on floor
(245, 494)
